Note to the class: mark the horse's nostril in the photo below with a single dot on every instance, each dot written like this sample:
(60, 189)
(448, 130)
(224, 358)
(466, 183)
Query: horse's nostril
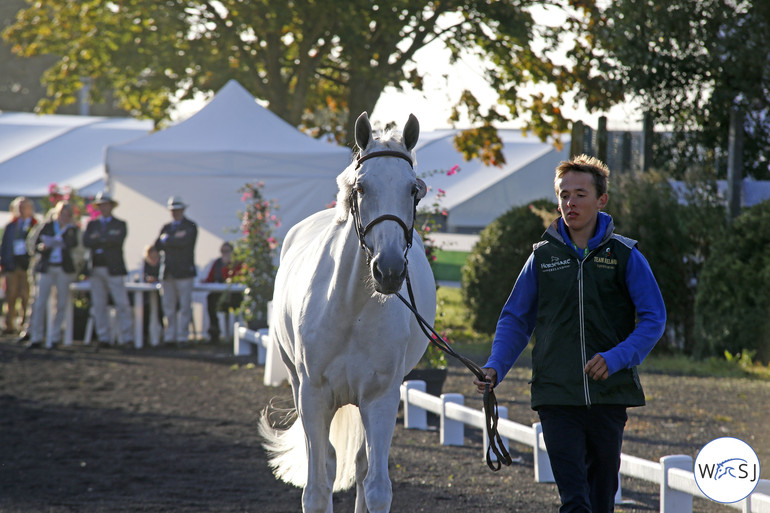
(376, 271)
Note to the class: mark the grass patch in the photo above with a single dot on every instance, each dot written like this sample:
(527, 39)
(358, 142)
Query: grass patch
(452, 319)
(448, 265)
(728, 367)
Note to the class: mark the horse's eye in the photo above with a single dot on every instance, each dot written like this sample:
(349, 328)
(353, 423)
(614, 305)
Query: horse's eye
(359, 188)
(415, 189)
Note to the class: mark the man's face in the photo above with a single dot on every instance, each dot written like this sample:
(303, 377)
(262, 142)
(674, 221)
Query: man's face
(105, 209)
(578, 202)
(177, 214)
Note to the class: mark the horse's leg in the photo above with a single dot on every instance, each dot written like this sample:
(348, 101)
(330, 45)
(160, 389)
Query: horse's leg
(379, 418)
(317, 413)
(362, 465)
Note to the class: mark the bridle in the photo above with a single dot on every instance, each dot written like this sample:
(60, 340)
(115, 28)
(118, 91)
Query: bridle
(490, 401)
(362, 230)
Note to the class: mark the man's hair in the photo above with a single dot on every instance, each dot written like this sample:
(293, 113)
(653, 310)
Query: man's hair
(586, 164)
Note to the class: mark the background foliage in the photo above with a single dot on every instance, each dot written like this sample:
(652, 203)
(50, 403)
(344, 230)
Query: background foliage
(493, 265)
(733, 300)
(314, 62)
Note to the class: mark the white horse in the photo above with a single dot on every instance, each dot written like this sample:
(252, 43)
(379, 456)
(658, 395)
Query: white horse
(345, 338)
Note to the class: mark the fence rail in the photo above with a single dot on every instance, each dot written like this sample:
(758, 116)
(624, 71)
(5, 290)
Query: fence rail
(674, 474)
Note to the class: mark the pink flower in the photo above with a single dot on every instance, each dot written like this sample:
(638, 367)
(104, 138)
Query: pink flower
(444, 213)
(52, 188)
(441, 191)
(453, 170)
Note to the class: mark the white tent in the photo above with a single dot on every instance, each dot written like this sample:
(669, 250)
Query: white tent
(478, 194)
(207, 158)
(38, 150)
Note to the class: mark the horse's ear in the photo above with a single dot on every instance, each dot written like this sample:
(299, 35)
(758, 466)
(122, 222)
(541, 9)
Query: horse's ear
(411, 132)
(363, 131)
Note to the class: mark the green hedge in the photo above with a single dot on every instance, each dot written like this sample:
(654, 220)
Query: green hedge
(495, 262)
(732, 305)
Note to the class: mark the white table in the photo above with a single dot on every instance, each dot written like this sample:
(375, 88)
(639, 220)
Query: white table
(138, 290)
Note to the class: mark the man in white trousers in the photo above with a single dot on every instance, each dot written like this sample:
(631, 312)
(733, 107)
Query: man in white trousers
(104, 236)
(176, 244)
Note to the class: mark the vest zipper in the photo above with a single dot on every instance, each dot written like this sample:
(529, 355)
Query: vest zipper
(582, 332)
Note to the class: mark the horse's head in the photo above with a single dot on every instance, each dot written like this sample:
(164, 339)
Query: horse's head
(380, 190)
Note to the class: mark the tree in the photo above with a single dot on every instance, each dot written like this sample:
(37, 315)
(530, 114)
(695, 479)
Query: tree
(314, 61)
(688, 62)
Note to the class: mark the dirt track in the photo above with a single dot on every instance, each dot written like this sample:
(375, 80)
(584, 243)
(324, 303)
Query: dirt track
(174, 430)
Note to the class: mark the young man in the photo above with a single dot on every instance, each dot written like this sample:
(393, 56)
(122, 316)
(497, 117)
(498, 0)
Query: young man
(176, 243)
(581, 292)
(104, 237)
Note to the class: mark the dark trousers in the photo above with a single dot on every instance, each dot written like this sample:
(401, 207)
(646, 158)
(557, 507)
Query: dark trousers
(232, 300)
(584, 449)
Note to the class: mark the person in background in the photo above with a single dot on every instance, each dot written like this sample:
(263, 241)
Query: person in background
(56, 268)
(104, 236)
(176, 244)
(14, 263)
(151, 274)
(596, 310)
(222, 271)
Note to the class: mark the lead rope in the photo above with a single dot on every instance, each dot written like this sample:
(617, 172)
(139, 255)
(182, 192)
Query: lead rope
(490, 401)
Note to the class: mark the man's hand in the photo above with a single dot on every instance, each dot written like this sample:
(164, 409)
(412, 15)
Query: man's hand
(596, 368)
(491, 375)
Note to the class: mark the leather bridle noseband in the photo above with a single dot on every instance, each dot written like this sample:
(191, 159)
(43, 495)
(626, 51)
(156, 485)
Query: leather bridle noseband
(491, 415)
(362, 230)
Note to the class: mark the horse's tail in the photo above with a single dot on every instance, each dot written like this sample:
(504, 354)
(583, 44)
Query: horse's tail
(288, 451)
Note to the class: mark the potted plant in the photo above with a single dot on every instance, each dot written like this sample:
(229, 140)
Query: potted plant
(255, 252)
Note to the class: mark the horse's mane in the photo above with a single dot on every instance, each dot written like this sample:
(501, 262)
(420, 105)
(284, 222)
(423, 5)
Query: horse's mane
(388, 140)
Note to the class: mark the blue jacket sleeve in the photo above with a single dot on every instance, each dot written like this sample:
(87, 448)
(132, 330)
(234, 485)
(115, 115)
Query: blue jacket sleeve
(516, 323)
(650, 312)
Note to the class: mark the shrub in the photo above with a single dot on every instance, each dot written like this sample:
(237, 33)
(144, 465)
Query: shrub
(733, 301)
(495, 262)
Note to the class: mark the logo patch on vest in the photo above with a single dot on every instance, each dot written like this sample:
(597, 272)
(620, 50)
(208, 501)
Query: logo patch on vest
(606, 260)
(555, 265)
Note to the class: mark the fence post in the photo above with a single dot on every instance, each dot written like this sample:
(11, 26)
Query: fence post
(414, 416)
(543, 471)
(263, 339)
(601, 139)
(502, 413)
(452, 431)
(240, 347)
(674, 501)
(576, 143)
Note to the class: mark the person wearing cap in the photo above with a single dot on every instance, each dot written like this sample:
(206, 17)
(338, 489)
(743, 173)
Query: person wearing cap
(176, 243)
(14, 261)
(104, 237)
(56, 269)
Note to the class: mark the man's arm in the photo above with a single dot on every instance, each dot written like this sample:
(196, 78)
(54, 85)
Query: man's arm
(516, 323)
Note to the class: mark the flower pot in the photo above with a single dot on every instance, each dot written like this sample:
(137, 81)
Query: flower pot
(433, 378)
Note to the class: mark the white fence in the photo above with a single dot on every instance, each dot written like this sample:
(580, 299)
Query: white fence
(673, 473)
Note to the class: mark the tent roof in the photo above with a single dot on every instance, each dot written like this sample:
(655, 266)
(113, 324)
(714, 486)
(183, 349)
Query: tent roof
(231, 122)
(529, 162)
(37, 150)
